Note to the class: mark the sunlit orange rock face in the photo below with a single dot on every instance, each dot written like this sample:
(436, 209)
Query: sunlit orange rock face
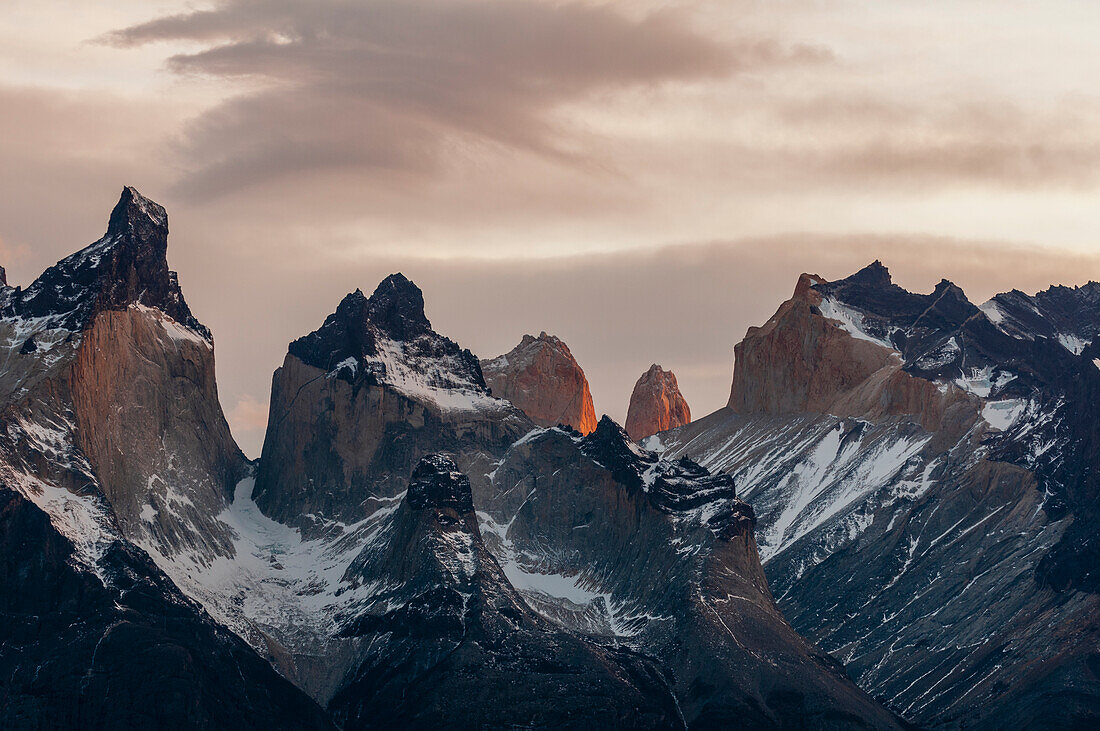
(656, 404)
(543, 379)
(802, 361)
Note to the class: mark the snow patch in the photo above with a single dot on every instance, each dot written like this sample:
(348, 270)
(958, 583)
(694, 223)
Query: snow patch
(851, 321)
(1073, 344)
(1003, 414)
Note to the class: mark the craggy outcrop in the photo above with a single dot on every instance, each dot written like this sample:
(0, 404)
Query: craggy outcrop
(130, 371)
(924, 476)
(606, 539)
(361, 400)
(656, 404)
(815, 355)
(452, 645)
(543, 379)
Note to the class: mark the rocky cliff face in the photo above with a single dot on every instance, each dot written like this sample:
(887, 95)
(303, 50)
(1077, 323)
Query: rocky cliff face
(451, 644)
(541, 377)
(605, 539)
(118, 365)
(920, 469)
(361, 400)
(119, 647)
(656, 404)
(111, 436)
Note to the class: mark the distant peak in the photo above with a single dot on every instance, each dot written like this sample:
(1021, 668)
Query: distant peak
(610, 445)
(134, 211)
(806, 282)
(437, 483)
(543, 337)
(874, 274)
(608, 433)
(127, 266)
(947, 286)
(397, 307)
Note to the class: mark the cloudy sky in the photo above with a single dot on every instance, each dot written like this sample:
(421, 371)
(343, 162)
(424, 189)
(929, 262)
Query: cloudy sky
(645, 179)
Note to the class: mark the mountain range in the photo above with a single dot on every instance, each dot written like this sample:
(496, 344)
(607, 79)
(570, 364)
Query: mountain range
(888, 526)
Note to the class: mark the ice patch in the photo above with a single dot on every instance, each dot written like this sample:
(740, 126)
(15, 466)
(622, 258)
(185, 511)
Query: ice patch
(1073, 344)
(430, 381)
(993, 312)
(176, 331)
(850, 321)
(982, 382)
(1003, 414)
(558, 586)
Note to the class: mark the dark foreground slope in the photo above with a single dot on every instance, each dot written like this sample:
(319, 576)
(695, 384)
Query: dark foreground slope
(452, 645)
(120, 647)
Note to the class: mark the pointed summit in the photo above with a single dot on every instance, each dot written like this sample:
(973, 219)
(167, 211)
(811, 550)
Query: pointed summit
(872, 275)
(543, 379)
(384, 338)
(656, 404)
(134, 211)
(397, 307)
(128, 266)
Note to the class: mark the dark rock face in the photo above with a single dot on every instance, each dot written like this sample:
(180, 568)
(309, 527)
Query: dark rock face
(127, 266)
(395, 312)
(656, 404)
(604, 539)
(123, 651)
(671, 487)
(361, 400)
(923, 475)
(452, 645)
(437, 483)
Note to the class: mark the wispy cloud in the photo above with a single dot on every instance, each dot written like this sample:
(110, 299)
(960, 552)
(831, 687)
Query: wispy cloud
(392, 86)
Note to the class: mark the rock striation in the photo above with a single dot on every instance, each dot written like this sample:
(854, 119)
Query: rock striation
(543, 379)
(451, 644)
(656, 404)
(610, 541)
(922, 471)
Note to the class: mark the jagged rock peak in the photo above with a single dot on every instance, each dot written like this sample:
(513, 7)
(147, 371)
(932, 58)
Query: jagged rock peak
(3, 277)
(543, 379)
(610, 445)
(128, 266)
(351, 341)
(656, 404)
(679, 487)
(397, 307)
(874, 274)
(134, 211)
(437, 483)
